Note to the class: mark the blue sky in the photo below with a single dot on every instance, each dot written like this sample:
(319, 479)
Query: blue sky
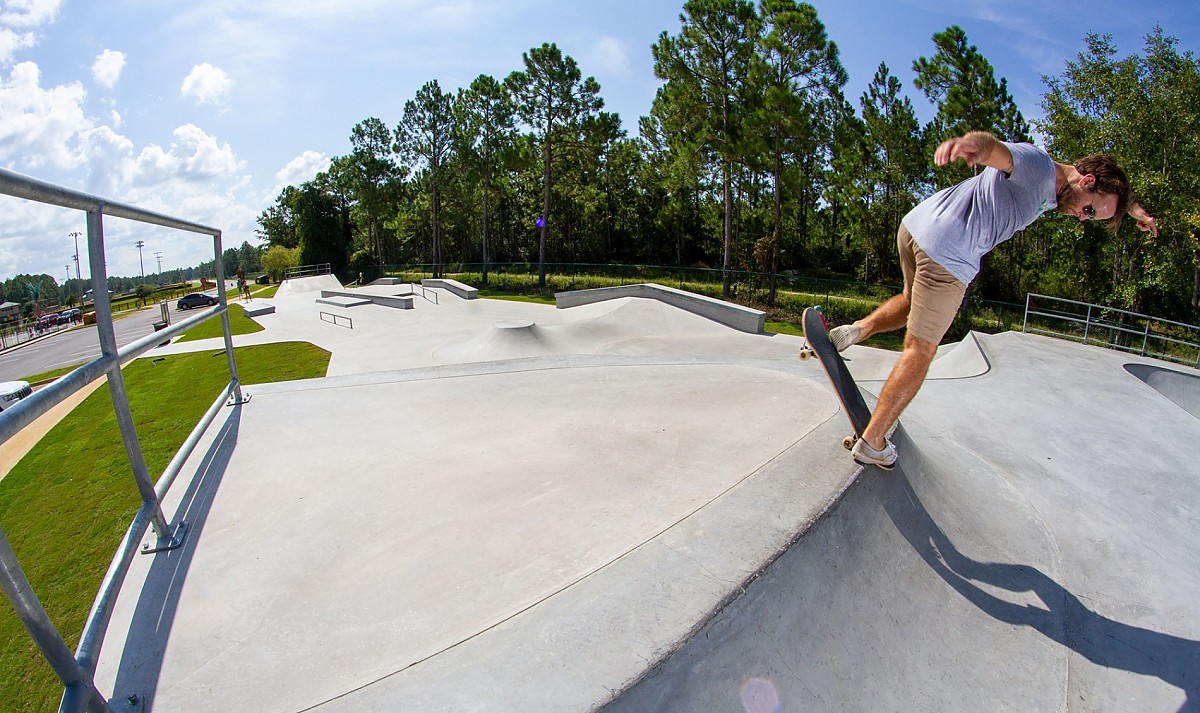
(204, 110)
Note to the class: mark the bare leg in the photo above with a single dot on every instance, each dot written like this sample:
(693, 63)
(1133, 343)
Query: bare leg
(901, 386)
(888, 317)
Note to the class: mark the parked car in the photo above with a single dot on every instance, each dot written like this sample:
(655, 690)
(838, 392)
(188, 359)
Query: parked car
(13, 391)
(70, 315)
(195, 299)
(47, 321)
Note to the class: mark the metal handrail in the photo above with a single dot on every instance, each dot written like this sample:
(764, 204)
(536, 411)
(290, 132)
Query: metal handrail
(307, 270)
(1092, 322)
(425, 292)
(77, 671)
(333, 319)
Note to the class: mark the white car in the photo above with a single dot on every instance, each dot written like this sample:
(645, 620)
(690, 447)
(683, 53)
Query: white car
(13, 391)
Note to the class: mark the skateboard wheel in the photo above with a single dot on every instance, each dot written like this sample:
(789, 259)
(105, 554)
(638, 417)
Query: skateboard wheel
(848, 442)
(805, 354)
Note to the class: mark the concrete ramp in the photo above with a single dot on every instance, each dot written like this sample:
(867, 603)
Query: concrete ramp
(1034, 550)
(1182, 389)
(307, 285)
(959, 361)
(906, 597)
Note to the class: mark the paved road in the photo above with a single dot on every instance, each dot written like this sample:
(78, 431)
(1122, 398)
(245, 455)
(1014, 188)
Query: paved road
(80, 345)
(75, 346)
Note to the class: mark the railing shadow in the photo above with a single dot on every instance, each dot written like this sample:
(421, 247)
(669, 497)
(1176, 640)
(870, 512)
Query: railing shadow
(158, 603)
(1065, 619)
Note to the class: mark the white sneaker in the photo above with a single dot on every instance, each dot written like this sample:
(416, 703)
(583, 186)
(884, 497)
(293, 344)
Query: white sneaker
(864, 454)
(844, 336)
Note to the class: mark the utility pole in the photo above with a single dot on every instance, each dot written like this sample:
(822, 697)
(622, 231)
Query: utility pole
(78, 279)
(158, 256)
(140, 244)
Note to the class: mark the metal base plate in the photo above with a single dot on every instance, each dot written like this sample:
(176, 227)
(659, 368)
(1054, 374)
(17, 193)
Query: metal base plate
(177, 538)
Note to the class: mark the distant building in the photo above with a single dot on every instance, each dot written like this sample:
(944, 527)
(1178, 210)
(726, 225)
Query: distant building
(10, 312)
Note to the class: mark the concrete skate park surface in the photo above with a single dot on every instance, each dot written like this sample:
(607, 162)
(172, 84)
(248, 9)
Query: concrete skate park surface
(495, 505)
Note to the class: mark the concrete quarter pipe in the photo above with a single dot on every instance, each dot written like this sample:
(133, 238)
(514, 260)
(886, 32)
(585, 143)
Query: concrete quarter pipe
(987, 577)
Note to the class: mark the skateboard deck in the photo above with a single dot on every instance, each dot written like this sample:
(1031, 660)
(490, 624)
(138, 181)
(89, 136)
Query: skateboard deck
(816, 338)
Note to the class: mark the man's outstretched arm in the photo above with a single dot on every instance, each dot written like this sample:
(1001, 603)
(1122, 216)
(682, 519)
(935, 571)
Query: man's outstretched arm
(977, 148)
(1145, 221)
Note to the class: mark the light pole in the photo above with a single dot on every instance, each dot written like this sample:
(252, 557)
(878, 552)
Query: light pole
(76, 235)
(140, 244)
(158, 256)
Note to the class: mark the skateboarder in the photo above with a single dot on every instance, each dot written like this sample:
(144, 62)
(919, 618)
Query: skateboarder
(942, 240)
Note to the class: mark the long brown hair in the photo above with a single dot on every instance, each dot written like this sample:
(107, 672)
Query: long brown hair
(1111, 179)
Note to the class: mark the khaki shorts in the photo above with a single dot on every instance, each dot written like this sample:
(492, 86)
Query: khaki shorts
(934, 294)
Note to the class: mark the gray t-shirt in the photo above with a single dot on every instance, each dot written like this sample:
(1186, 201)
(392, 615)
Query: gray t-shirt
(956, 227)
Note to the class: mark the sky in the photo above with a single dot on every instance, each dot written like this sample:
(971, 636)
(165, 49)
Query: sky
(205, 110)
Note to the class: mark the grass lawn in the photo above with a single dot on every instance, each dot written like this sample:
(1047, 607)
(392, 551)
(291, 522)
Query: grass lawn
(239, 323)
(512, 297)
(48, 375)
(67, 504)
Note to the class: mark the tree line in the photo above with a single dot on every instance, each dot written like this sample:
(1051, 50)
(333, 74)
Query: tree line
(37, 293)
(752, 158)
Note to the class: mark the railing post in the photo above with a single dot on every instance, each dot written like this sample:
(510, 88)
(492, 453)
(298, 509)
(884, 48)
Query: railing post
(116, 382)
(238, 397)
(1146, 338)
(1087, 325)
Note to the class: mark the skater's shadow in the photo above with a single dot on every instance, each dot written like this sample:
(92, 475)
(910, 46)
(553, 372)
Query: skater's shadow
(1063, 618)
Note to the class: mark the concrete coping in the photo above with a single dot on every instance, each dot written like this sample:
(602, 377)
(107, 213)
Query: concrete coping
(744, 319)
(462, 290)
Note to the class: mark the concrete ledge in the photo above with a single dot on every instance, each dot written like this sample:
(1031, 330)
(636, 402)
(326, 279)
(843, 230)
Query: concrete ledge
(464, 291)
(733, 315)
(341, 300)
(394, 301)
(258, 311)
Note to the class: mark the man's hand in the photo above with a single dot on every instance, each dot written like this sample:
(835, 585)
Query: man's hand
(978, 148)
(1145, 221)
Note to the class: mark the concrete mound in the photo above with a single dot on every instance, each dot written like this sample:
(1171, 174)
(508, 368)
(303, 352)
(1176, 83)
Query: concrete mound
(510, 339)
(621, 324)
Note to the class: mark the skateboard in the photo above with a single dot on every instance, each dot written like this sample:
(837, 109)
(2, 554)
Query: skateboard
(816, 343)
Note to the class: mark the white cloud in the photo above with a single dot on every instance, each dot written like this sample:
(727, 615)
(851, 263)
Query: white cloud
(193, 157)
(608, 54)
(38, 126)
(303, 168)
(29, 13)
(206, 84)
(10, 42)
(107, 68)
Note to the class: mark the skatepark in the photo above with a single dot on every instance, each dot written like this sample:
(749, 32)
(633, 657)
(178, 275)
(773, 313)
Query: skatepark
(628, 505)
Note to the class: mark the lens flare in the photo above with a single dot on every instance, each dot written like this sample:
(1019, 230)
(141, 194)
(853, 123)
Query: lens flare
(759, 695)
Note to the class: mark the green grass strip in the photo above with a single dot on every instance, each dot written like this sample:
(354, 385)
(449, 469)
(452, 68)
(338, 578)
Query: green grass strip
(239, 323)
(66, 504)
